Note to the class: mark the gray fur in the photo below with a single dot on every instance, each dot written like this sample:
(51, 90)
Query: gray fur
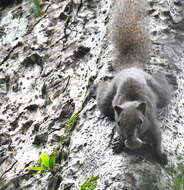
(132, 99)
(133, 96)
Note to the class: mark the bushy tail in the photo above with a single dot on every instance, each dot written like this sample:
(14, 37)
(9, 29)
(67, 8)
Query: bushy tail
(130, 33)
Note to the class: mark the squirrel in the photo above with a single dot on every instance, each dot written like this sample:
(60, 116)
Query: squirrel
(133, 97)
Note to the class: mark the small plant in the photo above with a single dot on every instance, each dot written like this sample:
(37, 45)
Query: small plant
(90, 183)
(71, 123)
(2, 32)
(37, 8)
(46, 163)
(178, 178)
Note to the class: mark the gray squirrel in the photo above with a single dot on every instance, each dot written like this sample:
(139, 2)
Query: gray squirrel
(133, 97)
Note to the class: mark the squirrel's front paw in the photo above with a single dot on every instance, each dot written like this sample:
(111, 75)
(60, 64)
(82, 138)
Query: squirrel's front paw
(162, 159)
(172, 81)
(117, 147)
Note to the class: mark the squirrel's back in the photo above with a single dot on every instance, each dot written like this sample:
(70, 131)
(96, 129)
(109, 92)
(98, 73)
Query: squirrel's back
(129, 31)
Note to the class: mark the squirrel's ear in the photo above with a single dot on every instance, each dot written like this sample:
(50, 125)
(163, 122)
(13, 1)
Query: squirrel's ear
(118, 109)
(142, 107)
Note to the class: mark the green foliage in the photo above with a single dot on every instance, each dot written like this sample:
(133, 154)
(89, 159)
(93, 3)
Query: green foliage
(2, 33)
(52, 161)
(90, 183)
(38, 168)
(65, 140)
(46, 162)
(37, 8)
(178, 178)
(71, 123)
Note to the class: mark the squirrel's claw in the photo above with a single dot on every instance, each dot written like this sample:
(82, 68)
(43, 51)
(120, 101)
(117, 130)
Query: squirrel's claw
(117, 147)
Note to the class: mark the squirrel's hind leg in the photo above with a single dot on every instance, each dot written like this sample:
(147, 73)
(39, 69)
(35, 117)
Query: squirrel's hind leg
(105, 95)
(161, 88)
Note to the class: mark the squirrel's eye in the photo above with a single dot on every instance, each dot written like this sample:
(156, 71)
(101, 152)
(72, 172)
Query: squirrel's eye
(119, 124)
(140, 122)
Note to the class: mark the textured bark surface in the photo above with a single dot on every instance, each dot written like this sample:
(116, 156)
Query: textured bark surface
(47, 67)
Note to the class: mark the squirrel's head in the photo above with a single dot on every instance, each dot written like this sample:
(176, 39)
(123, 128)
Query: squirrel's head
(130, 118)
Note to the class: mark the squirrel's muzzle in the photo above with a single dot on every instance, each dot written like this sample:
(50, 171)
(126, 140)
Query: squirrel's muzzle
(133, 142)
(137, 143)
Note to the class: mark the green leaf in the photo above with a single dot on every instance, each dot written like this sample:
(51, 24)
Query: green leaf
(52, 161)
(39, 168)
(37, 8)
(90, 183)
(2, 33)
(44, 159)
(71, 123)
